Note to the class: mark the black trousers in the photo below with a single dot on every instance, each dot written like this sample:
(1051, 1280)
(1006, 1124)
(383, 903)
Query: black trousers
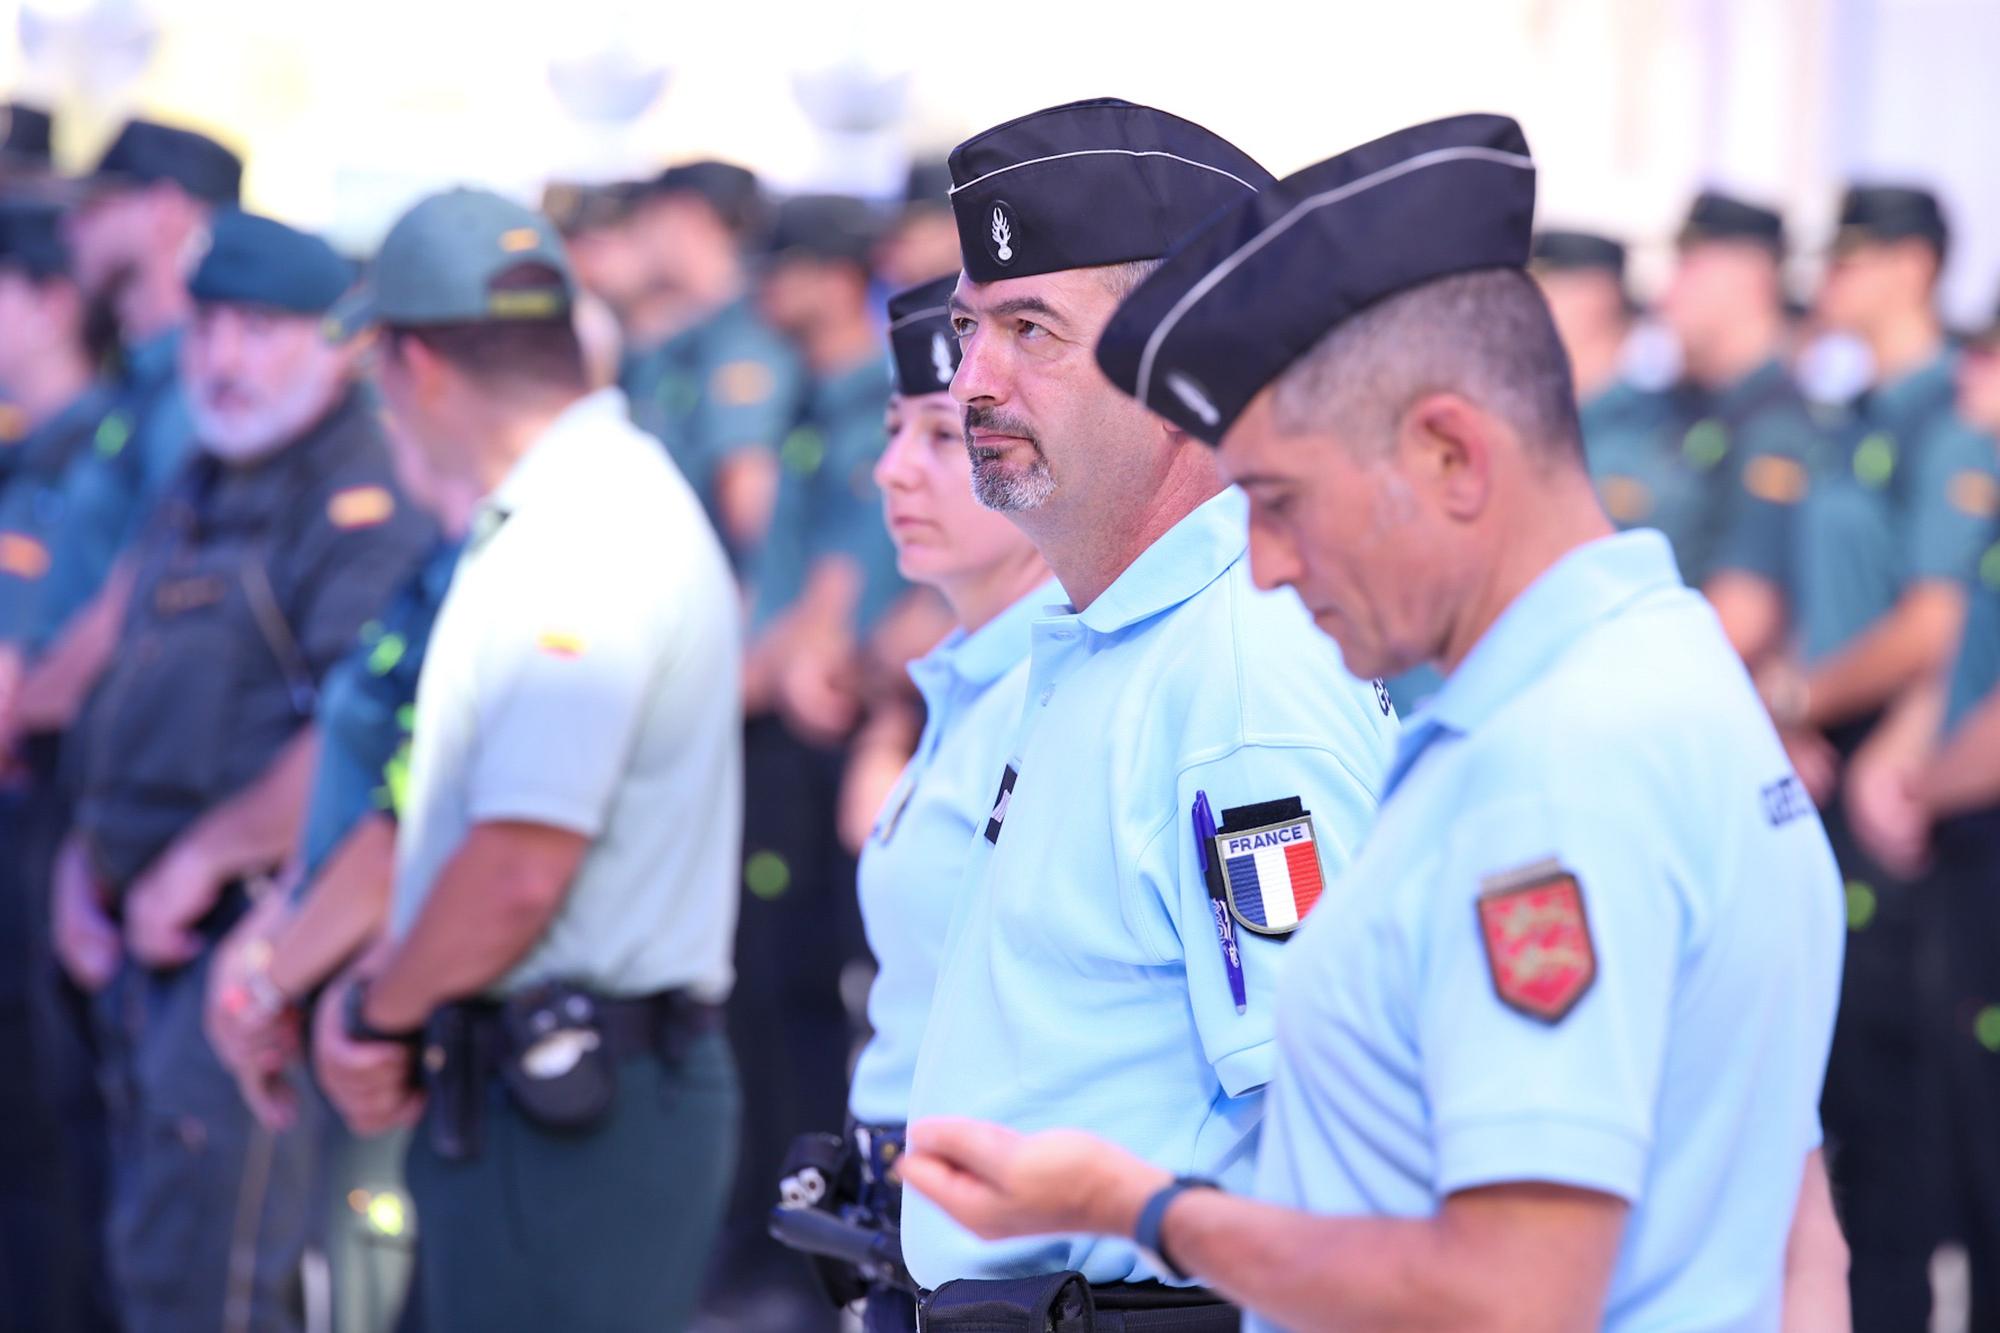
(1964, 886)
(799, 930)
(1884, 1103)
(53, 1136)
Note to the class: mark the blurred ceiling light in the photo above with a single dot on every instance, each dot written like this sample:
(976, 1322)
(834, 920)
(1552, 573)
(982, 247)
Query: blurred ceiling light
(94, 48)
(611, 87)
(853, 95)
(605, 64)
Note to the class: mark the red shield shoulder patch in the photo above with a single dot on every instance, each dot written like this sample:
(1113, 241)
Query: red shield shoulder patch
(1537, 938)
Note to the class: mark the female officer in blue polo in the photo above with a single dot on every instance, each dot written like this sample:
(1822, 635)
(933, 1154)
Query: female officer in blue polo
(972, 684)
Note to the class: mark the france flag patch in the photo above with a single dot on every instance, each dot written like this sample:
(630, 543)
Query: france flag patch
(1272, 874)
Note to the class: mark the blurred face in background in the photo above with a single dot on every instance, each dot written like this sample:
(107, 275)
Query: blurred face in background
(1979, 384)
(34, 314)
(799, 291)
(921, 246)
(684, 245)
(257, 378)
(611, 262)
(943, 536)
(1713, 284)
(1588, 305)
(1871, 280)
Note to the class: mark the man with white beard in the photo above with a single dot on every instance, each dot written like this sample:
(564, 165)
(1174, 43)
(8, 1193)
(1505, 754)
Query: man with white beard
(193, 758)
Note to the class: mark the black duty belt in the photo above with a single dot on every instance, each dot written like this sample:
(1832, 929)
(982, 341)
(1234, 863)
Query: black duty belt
(1065, 1303)
(556, 1048)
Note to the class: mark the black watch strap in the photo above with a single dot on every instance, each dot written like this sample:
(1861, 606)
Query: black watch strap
(360, 1029)
(1147, 1232)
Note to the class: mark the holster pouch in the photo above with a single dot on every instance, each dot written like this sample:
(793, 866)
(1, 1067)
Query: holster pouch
(557, 1063)
(823, 1173)
(457, 1063)
(1048, 1303)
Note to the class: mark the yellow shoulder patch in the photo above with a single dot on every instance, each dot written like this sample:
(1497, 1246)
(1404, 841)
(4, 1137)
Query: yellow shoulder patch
(22, 556)
(1974, 492)
(13, 423)
(1776, 479)
(1626, 499)
(741, 383)
(360, 507)
(558, 644)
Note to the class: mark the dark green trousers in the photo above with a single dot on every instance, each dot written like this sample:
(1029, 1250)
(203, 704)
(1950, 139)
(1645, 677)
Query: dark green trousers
(607, 1231)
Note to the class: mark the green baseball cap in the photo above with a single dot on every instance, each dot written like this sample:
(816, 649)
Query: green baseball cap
(440, 262)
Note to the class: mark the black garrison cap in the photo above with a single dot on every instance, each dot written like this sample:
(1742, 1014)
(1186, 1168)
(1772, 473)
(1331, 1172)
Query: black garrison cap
(1577, 251)
(1715, 216)
(1872, 213)
(1089, 183)
(146, 151)
(921, 345)
(733, 192)
(1238, 302)
(826, 227)
(31, 238)
(928, 184)
(24, 137)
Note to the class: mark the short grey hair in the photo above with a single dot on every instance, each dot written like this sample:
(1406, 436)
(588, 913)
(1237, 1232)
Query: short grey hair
(1486, 335)
(1124, 279)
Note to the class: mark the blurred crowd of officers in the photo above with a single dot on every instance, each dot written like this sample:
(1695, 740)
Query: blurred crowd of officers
(202, 768)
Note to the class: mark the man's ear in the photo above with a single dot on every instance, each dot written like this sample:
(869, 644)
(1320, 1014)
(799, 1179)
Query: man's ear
(1447, 446)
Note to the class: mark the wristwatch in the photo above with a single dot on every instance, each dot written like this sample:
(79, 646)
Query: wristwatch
(358, 1028)
(1147, 1232)
(258, 988)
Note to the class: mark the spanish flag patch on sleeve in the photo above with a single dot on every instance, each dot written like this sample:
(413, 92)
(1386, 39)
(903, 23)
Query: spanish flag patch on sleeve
(558, 644)
(360, 507)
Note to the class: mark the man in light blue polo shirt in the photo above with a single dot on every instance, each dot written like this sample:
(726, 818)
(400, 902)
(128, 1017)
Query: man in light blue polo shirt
(1084, 981)
(1551, 1050)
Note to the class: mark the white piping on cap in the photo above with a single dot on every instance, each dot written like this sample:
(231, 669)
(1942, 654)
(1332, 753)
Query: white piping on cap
(1095, 152)
(1235, 260)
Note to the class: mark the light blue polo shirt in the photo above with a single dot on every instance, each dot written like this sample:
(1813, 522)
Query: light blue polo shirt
(1601, 729)
(1082, 984)
(914, 862)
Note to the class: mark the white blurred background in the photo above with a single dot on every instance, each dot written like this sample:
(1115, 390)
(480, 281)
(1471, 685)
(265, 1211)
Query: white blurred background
(346, 111)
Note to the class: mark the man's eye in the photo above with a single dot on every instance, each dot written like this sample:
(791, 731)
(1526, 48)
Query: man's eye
(1030, 329)
(961, 326)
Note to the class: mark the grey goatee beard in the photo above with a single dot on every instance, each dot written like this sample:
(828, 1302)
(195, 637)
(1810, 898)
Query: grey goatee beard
(996, 486)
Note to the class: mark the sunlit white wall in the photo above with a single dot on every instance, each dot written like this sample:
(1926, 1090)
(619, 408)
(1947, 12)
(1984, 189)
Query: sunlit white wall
(349, 109)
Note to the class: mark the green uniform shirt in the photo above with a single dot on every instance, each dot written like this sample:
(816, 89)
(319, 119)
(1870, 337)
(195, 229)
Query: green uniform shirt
(723, 386)
(1629, 437)
(827, 500)
(1976, 671)
(1910, 495)
(1753, 447)
(39, 588)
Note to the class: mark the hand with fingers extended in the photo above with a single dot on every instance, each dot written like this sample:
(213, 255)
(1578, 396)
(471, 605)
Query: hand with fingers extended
(998, 1182)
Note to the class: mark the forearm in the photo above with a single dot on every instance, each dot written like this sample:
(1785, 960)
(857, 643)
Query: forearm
(487, 909)
(56, 685)
(344, 908)
(258, 827)
(1914, 640)
(1964, 774)
(1751, 610)
(1352, 1274)
(746, 490)
(1816, 1260)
